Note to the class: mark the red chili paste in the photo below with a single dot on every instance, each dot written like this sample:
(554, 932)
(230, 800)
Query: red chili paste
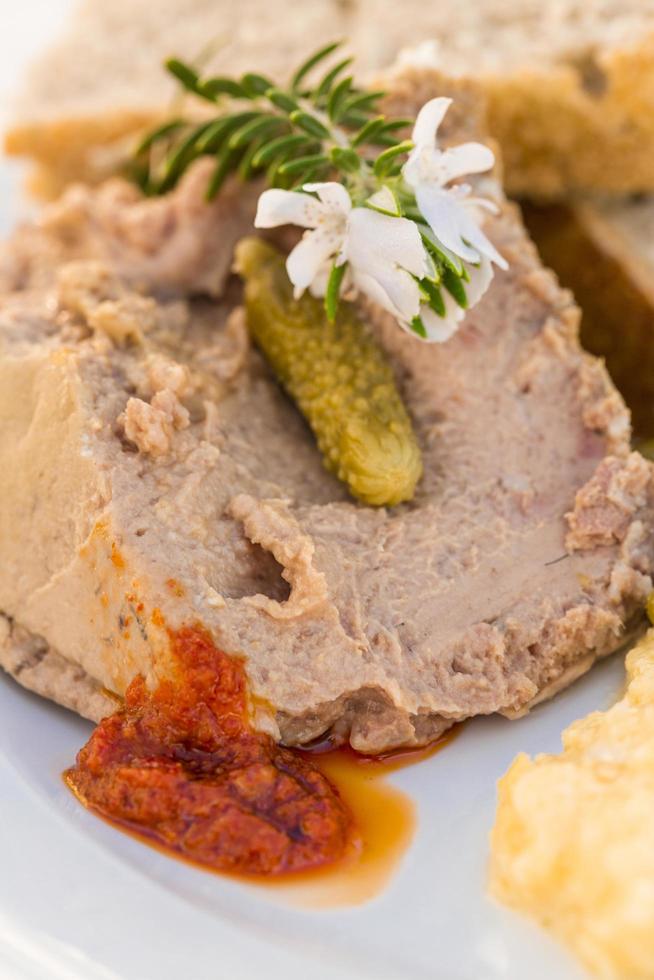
(182, 767)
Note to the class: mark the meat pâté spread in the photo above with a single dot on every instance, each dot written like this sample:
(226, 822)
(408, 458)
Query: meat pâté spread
(163, 480)
(161, 476)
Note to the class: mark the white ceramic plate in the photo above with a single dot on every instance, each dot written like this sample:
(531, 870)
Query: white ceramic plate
(81, 901)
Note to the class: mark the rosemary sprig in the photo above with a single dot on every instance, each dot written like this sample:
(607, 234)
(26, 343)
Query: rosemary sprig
(310, 129)
(320, 127)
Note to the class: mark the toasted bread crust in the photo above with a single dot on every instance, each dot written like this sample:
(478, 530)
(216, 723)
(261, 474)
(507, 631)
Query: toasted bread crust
(78, 147)
(578, 118)
(583, 127)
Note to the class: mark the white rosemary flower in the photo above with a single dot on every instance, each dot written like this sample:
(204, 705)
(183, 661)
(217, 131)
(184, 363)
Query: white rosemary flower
(385, 254)
(453, 216)
(426, 269)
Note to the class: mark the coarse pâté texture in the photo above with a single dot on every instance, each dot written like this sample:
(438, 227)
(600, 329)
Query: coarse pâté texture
(163, 473)
(525, 554)
(338, 376)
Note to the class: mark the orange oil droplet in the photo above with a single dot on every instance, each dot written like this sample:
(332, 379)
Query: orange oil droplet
(385, 818)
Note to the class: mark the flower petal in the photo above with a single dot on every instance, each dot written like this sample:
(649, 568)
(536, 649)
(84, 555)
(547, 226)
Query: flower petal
(277, 207)
(428, 120)
(364, 283)
(390, 251)
(333, 195)
(375, 238)
(480, 279)
(468, 158)
(402, 290)
(318, 285)
(473, 234)
(396, 291)
(446, 218)
(454, 224)
(305, 261)
(441, 328)
(416, 167)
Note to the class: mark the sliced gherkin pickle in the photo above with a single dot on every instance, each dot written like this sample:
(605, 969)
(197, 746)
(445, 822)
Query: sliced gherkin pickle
(337, 375)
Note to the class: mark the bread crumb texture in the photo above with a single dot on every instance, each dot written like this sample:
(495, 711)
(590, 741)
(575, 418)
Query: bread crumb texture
(570, 83)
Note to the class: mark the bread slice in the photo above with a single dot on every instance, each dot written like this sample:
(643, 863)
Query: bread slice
(604, 251)
(103, 80)
(570, 83)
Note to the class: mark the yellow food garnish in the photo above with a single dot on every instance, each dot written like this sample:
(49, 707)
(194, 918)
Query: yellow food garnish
(573, 843)
(339, 378)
